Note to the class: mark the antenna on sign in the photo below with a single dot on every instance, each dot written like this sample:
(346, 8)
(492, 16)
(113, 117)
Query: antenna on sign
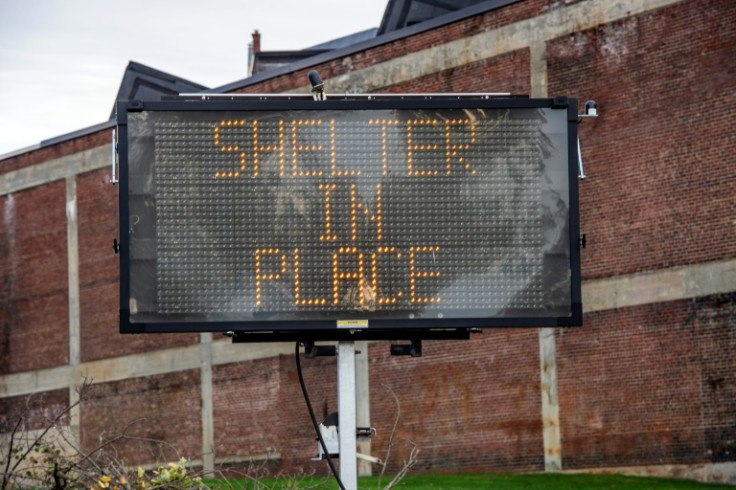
(318, 86)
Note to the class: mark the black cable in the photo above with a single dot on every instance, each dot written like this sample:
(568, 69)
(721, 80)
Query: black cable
(314, 419)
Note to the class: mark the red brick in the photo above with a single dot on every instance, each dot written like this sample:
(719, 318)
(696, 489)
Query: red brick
(246, 408)
(35, 279)
(33, 412)
(59, 150)
(647, 383)
(661, 179)
(99, 276)
(152, 419)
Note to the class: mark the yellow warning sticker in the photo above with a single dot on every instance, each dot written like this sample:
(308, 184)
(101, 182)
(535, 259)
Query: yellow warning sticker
(352, 324)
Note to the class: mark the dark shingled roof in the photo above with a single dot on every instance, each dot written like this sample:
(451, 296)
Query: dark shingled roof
(405, 13)
(142, 82)
(349, 40)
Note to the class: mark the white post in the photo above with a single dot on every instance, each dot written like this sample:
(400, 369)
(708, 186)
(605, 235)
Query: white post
(363, 405)
(550, 401)
(207, 403)
(346, 412)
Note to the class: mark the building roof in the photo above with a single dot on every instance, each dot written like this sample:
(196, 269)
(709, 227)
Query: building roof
(398, 25)
(398, 15)
(262, 61)
(348, 40)
(405, 13)
(142, 82)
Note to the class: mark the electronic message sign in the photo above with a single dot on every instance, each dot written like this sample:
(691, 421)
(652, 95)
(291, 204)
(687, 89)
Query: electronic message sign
(377, 214)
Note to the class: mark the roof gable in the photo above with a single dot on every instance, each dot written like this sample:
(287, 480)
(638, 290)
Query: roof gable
(142, 82)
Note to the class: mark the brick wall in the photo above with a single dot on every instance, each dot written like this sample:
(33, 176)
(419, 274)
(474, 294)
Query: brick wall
(508, 73)
(714, 342)
(320, 377)
(35, 412)
(645, 384)
(35, 279)
(660, 192)
(99, 279)
(51, 152)
(459, 403)
(7, 302)
(246, 408)
(468, 405)
(151, 419)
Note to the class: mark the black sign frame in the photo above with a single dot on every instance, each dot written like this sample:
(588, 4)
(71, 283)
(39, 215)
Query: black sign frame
(375, 328)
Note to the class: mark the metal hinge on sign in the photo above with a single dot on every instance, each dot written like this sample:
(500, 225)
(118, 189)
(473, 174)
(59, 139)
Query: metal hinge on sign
(590, 111)
(114, 180)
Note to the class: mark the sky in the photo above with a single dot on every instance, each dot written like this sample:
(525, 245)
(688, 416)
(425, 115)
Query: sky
(62, 61)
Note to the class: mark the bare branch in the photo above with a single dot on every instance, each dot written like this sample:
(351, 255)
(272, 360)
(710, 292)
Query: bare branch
(391, 437)
(46, 430)
(413, 458)
(6, 474)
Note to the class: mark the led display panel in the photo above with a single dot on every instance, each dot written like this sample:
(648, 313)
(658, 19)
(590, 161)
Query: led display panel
(256, 215)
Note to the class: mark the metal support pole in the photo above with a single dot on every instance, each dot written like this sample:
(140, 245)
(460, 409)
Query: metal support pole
(346, 410)
(363, 406)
